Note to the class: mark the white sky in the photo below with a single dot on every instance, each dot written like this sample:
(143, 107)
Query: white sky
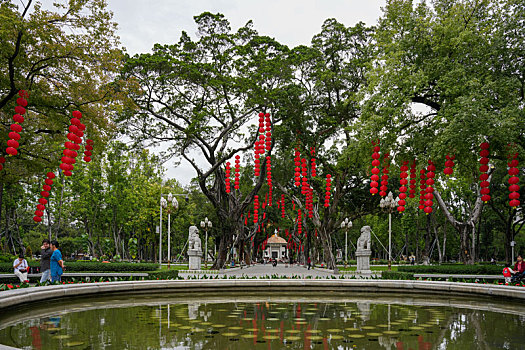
(142, 23)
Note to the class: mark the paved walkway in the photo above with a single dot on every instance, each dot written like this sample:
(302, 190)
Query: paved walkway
(268, 270)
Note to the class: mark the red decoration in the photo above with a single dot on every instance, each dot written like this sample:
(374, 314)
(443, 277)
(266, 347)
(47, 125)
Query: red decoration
(449, 164)
(87, 152)
(268, 132)
(255, 209)
(237, 172)
(16, 128)
(37, 219)
(402, 190)
(428, 192)
(384, 178)
(513, 181)
(484, 184)
(314, 170)
(328, 187)
(375, 170)
(282, 206)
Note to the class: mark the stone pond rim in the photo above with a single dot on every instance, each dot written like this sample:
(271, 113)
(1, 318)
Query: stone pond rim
(17, 297)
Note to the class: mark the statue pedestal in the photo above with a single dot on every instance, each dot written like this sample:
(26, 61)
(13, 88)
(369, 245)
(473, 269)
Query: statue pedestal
(363, 261)
(194, 259)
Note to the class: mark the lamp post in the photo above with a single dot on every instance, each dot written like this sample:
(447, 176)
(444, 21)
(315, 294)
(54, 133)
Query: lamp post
(389, 203)
(346, 224)
(205, 225)
(170, 203)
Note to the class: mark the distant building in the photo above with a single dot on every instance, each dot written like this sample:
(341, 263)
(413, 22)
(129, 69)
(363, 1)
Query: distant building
(275, 248)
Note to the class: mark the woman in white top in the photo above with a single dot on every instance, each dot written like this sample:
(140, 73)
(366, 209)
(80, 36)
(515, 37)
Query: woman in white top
(21, 268)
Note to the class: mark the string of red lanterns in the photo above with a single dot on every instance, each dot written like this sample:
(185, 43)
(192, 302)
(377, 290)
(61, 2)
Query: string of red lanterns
(282, 206)
(422, 187)
(402, 189)
(269, 179)
(328, 187)
(412, 192)
(46, 188)
(76, 131)
(299, 222)
(484, 168)
(297, 162)
(255, 209)
(513, 181)
(16, 128)
(268, 132)
(227, 175)
(313, 165)
(375, 170)
(429, 195)
(384, 178)
(87, 152)
(237, 172)
(449, 164)
(259, 145)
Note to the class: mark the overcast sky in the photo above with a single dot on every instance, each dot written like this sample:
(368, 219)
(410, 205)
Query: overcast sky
(143, 23)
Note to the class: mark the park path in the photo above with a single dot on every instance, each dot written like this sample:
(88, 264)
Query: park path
(280, 270)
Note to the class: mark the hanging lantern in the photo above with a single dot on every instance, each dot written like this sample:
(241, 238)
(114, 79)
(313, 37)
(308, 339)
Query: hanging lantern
(513, 181)
(375, 170)
(484, 160)
(16, 128)
(297, 162)
(89, 148)
(449, 164)
(328, 187)
(313, 165)
(429, 196)
(255, 209)
(228, 189)
(268, 132)
(282, 206)
(384, 178)
(412, 191)
(237, 171)
(403, 189)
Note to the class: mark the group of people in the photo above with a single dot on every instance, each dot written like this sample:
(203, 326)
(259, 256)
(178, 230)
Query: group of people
(51, 263)
(518, 271)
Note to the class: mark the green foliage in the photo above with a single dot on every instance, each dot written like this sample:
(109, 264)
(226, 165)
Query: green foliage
(164, 275)
(397, 275)
(454, 269)
(92, 267)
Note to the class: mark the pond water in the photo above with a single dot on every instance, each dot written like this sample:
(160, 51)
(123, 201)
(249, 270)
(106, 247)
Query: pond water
(328, 321)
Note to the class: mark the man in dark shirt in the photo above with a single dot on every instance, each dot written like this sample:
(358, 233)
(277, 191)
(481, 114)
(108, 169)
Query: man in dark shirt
(45, 258)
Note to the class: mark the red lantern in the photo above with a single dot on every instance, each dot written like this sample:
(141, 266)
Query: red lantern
(328, 186)
(428, 191)
(237, 171)
(11, 151)
(68, 173)
(42, 201)
(16, 128)
(375, 170)
(484, 184)
(87, 159)
(77, 114)
(228, 188)
(37, 219)
(513, 181)
(20, 110)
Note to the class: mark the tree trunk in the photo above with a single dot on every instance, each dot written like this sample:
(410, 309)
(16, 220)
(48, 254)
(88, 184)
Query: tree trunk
(426, 251)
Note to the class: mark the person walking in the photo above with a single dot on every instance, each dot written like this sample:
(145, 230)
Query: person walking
(21, 267)
(56, 263)
(45, 261)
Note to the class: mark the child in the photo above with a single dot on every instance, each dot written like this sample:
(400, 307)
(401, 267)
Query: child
(507, 273)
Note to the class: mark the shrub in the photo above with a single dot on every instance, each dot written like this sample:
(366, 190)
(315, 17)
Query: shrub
(164, 275)
(75, 266)
(396, 275)
(454, 269)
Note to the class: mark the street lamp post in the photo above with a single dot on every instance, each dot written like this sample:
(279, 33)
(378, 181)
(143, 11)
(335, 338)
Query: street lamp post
(205, 225)
(167, 204)
(346, 224)
(389, 203)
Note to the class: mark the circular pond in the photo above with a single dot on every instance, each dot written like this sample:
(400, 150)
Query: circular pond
(230, 321)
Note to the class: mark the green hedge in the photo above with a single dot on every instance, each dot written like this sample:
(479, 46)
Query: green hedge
(454, 269)
(396, 275)
(163, 275)
(92, 266)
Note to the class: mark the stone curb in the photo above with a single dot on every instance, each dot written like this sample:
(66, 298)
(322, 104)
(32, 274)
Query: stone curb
(16, 297)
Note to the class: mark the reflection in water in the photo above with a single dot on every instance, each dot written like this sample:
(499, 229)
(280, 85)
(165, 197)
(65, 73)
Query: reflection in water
(136, 322)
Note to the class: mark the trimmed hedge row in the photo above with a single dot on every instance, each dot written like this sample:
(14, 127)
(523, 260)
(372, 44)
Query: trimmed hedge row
(92, 266)
(454, 269)
(396, 275)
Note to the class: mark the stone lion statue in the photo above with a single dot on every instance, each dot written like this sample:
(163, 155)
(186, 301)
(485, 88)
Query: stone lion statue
(194, 242)
(364, 242)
